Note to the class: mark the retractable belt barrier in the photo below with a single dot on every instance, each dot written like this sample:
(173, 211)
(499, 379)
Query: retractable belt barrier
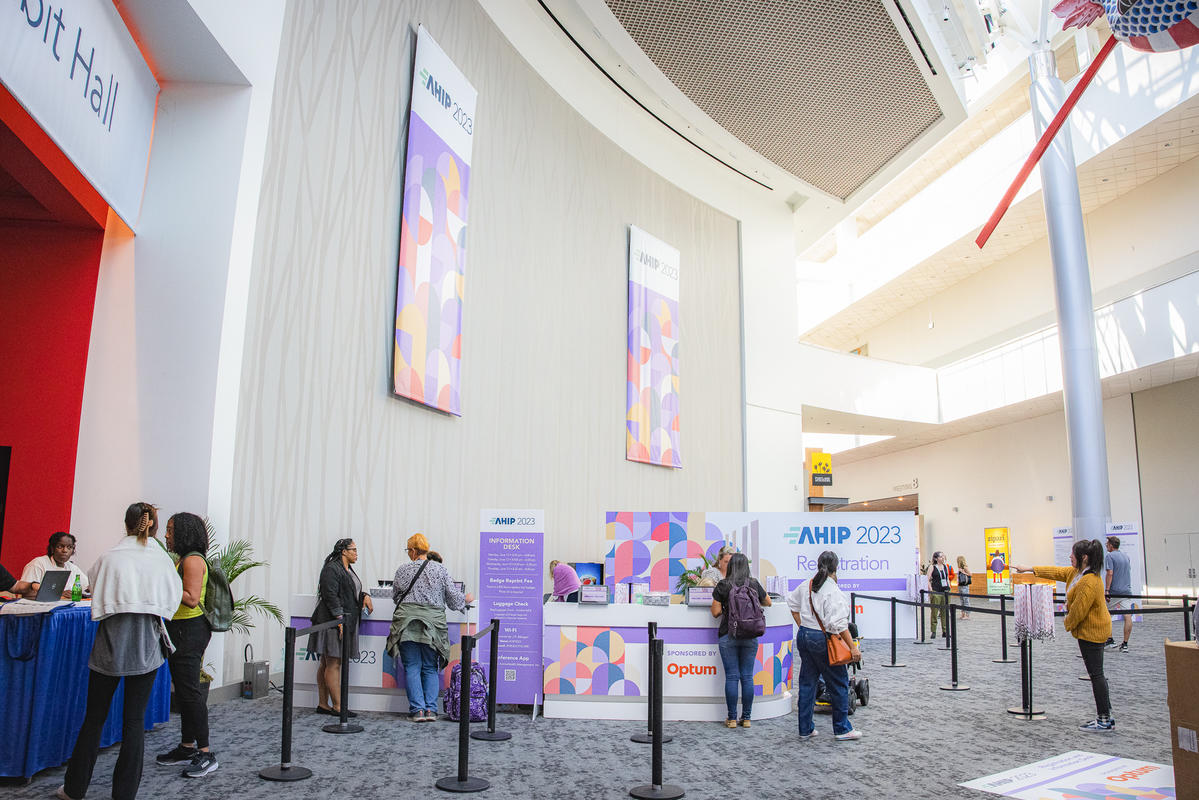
(463, 782)
(286, 771)
(656, 790)
(650, 679)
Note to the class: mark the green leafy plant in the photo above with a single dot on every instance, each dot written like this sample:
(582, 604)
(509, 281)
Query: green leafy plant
(691, 577)
(234, 559)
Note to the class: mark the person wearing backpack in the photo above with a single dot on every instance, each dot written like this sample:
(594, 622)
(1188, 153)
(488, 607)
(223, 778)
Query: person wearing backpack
(737, 601)
(821, 610)
(187, 537)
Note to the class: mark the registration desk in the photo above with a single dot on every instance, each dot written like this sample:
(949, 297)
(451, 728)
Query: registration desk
(596, 661)
(376, 679)
(43, 689)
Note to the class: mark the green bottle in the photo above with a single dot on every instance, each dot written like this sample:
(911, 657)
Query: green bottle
(77, 590)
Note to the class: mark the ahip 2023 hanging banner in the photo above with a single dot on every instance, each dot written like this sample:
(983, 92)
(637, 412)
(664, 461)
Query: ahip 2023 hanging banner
(432, 266)
(652, 418)
(999, 560)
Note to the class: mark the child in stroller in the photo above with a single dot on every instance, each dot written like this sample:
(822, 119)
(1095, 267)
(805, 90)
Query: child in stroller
(859, 688)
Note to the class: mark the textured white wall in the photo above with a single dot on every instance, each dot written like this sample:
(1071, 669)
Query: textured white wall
(324, 451)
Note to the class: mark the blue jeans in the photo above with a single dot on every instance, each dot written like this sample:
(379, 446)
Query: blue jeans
(738, 656)
(813, 663)
(421, 680)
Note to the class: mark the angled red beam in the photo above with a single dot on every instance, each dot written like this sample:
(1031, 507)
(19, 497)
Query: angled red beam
(1043, 144)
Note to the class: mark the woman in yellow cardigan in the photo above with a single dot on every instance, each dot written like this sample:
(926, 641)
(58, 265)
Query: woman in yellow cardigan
(1086, 619)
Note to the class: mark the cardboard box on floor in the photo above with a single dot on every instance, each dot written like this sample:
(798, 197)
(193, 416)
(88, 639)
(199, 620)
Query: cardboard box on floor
(1182, 688)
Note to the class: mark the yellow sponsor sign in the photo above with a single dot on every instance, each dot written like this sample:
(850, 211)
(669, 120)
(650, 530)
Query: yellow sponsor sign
(999, 559)
(822, 469)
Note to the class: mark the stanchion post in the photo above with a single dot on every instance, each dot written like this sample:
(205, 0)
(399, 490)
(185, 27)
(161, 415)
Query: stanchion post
(462, 782)
(650, 681)
(656, 790)
(1003, 659)
(1186, 618)
(285, 771)
(491, 734)
(1026, 710)
(893, 661)
(953, 686)
(853, 608)
(344, 725)
(922, 640)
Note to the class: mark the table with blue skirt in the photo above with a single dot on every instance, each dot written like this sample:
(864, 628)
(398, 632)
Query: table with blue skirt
(43, 689)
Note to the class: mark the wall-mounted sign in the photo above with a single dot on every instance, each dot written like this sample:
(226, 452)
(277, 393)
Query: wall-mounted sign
(822, 469)
(77, 71)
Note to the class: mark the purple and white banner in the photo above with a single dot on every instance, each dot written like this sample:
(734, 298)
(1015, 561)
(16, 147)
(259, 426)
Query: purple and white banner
(652, 410)
(511, 566)
(432, 268)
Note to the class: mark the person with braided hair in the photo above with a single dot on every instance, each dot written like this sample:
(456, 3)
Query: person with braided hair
(340, 593)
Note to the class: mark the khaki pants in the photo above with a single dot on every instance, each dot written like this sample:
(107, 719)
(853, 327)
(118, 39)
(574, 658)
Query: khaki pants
(940, 609)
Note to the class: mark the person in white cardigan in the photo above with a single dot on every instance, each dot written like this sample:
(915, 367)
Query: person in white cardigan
(134, 585)
(821, 609)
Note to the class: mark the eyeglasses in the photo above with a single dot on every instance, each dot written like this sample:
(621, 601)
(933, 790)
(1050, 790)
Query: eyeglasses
(354, 549)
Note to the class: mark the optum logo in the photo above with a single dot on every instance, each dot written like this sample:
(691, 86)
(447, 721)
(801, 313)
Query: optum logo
(690, 669)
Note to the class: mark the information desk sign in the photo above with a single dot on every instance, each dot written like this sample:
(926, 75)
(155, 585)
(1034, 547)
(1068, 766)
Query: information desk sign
(511, 548)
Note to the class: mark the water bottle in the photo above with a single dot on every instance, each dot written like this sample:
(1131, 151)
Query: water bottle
(77, 590)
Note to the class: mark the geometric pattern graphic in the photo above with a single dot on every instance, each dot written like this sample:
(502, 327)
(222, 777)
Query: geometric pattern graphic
(432, 272)
(656, 547)
(590, 661)
(652, 418)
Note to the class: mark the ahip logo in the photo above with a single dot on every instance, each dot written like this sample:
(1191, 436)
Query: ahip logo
(816, 534)
(690, 669)
(503, 520)
(436, 89)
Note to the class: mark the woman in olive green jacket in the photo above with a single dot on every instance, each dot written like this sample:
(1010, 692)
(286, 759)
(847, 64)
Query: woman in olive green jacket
(1087, 619)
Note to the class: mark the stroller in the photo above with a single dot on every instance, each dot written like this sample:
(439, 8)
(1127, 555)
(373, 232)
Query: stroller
(859, 687)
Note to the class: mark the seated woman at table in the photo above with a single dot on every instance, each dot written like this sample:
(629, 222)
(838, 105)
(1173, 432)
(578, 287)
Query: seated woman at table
(566, 582)
(10, 584)
(58, 557)
(135, 585)
(422, 589)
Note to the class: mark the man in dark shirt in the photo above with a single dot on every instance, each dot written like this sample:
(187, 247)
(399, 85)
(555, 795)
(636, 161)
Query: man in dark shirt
(10, 584)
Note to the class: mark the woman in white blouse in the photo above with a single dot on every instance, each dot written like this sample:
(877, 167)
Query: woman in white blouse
(831, 609)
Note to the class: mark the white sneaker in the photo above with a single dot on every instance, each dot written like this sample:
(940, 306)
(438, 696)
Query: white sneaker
(811, 735)
(852, 736)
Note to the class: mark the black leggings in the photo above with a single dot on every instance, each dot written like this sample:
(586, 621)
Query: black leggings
(127, 775)
(190, 637)
(1092, 656)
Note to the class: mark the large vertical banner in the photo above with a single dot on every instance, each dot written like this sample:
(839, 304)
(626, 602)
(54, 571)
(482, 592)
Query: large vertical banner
(652, 418)
(999, 560)
(432, 268)
(510, 580)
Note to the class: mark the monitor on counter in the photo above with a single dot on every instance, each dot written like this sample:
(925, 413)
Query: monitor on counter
(596, 595)
(700, 595)
(460, 586)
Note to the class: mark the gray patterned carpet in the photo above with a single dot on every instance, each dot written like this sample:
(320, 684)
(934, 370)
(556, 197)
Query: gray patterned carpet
(918, 741)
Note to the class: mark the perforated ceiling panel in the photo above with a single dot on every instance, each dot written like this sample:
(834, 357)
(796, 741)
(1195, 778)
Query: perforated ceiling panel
(826, 90)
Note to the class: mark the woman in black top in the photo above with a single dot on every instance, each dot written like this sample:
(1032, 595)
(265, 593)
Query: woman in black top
(340, 592)
(938, 582)
(738, 655)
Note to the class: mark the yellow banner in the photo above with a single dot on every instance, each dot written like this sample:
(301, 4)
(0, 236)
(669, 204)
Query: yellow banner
(822, 469)
(999, 559)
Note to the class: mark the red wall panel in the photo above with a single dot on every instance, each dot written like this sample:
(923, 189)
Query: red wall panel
(48, 276)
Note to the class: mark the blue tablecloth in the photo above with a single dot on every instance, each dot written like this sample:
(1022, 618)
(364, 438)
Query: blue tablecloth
(43, 690)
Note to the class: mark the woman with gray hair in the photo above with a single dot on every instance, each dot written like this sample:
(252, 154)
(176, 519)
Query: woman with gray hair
(720, 565)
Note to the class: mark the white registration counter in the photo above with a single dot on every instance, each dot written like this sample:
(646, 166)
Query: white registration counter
(596, 661)
(376, 679)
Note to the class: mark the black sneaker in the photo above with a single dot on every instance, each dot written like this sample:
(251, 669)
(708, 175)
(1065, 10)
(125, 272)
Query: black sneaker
(203, 763)
(180, 755)
(1098, 724)
(1124, 647)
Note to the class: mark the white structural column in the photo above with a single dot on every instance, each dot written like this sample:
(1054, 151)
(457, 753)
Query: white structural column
(1076, 321)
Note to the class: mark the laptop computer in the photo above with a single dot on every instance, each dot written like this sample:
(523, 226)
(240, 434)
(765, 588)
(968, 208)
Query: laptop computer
(53, 584)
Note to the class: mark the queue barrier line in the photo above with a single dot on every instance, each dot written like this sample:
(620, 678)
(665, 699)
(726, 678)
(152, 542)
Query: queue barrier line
(463, 782)
(648, 736)
(286, 771)
(656, 789)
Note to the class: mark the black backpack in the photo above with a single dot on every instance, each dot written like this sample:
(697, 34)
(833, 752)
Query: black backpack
(747, 620)
(218, 598)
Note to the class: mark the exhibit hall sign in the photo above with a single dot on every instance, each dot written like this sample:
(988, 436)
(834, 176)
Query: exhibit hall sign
(999, 560)
(77, 71)
(427, 360)
(652, 374)
(511, 549)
